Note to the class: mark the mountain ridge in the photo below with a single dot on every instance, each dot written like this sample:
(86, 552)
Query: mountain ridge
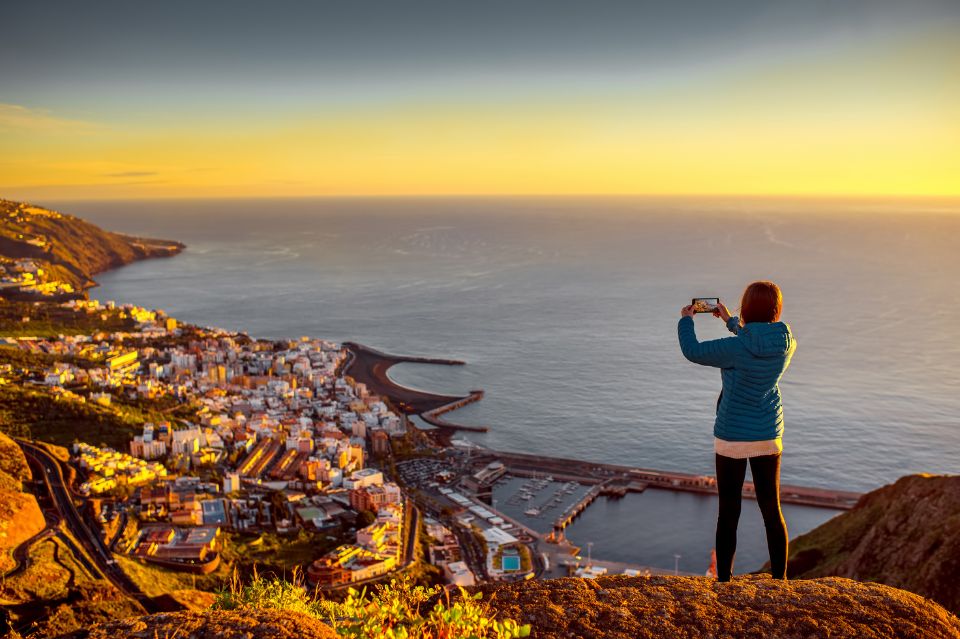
(67, 249)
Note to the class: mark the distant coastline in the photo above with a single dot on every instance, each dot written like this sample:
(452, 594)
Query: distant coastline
(46, 255)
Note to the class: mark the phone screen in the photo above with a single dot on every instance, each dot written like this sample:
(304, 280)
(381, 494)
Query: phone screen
(705, 304)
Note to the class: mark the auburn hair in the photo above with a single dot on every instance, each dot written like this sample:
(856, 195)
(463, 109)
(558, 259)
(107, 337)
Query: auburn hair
(761, 302)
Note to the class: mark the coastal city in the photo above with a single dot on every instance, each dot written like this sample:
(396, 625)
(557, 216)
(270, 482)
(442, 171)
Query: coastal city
(278, 441)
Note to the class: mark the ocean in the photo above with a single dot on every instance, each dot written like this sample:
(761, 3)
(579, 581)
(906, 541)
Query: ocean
(565, 311)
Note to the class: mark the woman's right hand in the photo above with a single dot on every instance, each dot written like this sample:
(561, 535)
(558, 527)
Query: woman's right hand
(722, 312)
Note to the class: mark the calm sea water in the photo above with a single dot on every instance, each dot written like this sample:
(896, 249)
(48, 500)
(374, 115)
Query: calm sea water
(566, 310)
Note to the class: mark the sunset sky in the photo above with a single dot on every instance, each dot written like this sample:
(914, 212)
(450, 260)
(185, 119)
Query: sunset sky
(184, 99)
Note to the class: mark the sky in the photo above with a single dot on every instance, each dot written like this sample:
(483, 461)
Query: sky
(264, 99)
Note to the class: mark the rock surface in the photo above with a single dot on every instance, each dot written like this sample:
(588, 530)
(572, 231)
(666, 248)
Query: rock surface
(624, 607)
(213, 624)
(906, 534)
(20, 516)
(697, 607)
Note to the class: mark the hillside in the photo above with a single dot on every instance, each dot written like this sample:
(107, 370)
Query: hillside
(20, 516)
(906, 534)
(625, 607)
(66, 249)
(45, 588)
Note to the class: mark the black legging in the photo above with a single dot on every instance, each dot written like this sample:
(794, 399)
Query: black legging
(766, 479)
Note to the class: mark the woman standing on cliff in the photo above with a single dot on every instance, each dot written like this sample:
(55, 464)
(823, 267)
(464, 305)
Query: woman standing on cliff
(749, 422)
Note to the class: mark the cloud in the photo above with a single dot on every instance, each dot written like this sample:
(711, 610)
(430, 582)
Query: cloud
(126, 174)
(17, 117)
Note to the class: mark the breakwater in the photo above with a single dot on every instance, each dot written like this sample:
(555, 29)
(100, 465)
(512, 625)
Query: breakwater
(369, 366)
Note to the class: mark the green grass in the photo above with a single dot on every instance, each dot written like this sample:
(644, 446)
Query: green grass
(156, 580)
(834, 540)
(34, 412)
(153, 409)
(276, 554)
(49, 319)
(44, 594)
(269, 554)
(21, 359)
(45, 578)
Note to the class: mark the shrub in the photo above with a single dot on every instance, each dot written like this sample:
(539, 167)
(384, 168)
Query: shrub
(267, 594)
(397, 610)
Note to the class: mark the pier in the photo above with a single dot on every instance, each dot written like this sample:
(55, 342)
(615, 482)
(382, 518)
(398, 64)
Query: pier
(576, 508)
(433, 417)
(637, 479)
(607, 488)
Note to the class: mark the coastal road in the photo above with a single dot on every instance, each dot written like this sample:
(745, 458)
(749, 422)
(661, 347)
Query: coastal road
(412, 533)
(93, 546)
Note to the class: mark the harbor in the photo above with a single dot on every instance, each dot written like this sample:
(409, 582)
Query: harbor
(634, 479)
(640, 530)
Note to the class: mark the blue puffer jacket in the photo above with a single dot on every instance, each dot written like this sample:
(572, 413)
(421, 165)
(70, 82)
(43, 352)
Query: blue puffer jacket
(751, 365)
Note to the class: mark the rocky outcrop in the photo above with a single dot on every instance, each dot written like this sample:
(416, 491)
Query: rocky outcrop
(624, 608)
(906, 534)
(749, 606)
(213, 624)
(20, 516)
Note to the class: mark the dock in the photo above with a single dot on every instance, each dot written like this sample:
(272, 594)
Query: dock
(608, 488)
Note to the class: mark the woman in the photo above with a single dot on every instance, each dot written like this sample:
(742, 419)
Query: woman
(749, 423)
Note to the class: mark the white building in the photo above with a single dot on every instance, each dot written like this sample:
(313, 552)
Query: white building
(147, 448)
(457, 573)
(187, 441)
(364, 477)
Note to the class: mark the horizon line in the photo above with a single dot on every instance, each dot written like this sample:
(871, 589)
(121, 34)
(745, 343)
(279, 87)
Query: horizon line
(373, 196)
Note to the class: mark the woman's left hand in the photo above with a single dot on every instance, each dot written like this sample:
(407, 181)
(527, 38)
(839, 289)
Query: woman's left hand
(687, 311)
(722, 312)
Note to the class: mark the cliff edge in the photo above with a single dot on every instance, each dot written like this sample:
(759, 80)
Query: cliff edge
(625, 607)
(905, 534)
(620, 607)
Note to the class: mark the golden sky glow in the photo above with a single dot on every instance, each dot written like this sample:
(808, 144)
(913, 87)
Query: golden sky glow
(881, 120)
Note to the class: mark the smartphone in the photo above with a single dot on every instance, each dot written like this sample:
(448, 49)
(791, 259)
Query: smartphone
(705, 304)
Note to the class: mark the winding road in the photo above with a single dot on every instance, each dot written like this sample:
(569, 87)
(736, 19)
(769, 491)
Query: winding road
(103, 565)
